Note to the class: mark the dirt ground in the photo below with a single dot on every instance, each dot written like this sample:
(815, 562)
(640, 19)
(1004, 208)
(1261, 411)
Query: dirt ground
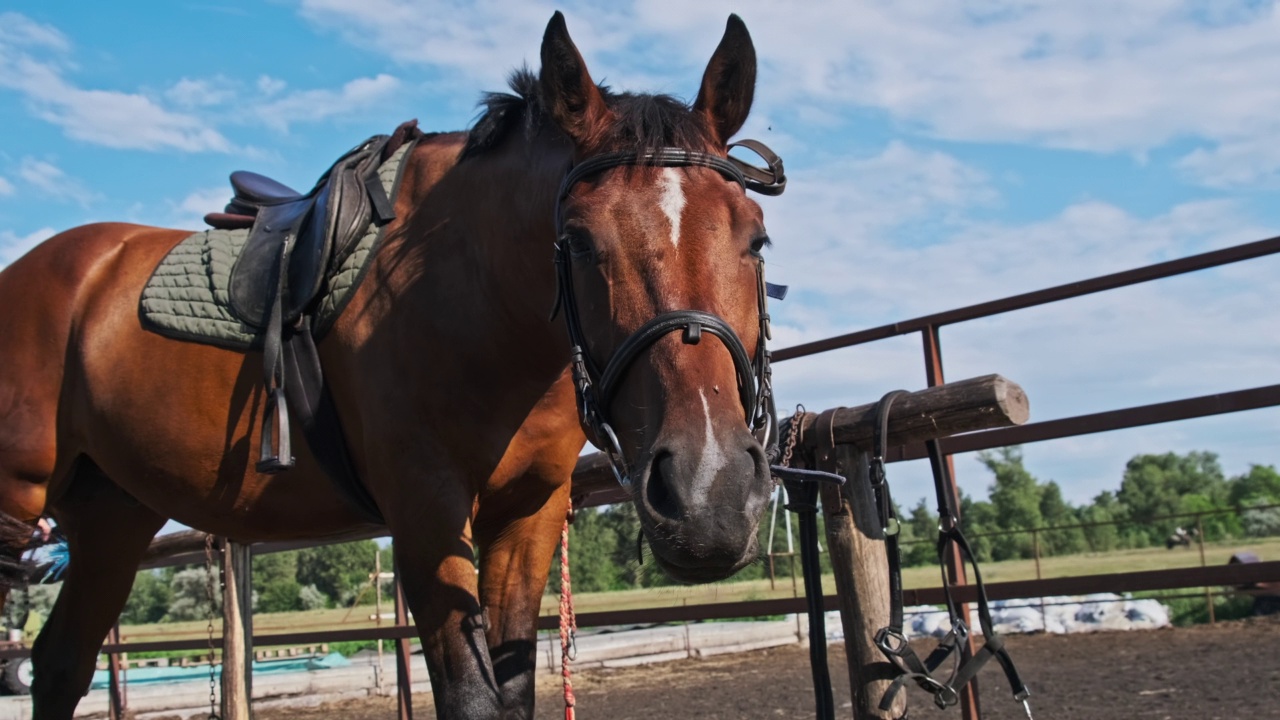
(1230, 670)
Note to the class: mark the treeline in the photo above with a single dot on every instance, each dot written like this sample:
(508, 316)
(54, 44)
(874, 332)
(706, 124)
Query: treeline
(1152, 488)
(607, 552)
(309, 579)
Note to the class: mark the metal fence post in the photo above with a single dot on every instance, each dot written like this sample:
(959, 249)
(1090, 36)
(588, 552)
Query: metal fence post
(970, 707)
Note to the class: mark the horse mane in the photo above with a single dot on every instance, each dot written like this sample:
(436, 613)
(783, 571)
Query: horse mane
(642, 121)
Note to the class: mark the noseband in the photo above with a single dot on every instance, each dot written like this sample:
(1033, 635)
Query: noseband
(595, 389)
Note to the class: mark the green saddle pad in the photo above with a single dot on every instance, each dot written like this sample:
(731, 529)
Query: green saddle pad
(186, 297)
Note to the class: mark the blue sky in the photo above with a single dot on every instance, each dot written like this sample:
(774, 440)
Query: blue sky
(939, 153)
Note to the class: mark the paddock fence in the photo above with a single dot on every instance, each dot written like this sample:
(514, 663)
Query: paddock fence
(594, 486)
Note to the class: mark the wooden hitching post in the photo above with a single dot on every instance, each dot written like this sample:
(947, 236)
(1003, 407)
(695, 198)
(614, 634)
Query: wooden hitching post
(237, 631)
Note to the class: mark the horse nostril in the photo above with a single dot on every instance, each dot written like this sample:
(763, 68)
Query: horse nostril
(657, 489)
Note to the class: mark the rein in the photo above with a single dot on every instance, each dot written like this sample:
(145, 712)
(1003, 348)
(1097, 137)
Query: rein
(594, 387)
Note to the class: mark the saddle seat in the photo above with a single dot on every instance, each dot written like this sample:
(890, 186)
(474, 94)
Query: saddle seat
(252, 191)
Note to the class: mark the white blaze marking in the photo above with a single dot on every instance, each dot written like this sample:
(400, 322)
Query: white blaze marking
(713, 457)
(672, 201)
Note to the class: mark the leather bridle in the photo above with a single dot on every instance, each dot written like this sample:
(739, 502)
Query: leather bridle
(595, 388)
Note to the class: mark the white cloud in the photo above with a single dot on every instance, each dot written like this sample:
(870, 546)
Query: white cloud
(190, 211)
(6, 187)
(269, 86)
(102, 117)
(20, 31)
(1104, 76)
(190, 93)
(480, 40)
(895, 236)
(50, 180)
(317, 105)
(14, 246)
(34, 61)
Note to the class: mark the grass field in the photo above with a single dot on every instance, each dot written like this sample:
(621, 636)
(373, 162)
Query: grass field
(1120, 561)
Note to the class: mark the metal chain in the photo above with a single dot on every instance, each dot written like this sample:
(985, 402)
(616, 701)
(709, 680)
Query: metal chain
(792, 436)
(213, 607)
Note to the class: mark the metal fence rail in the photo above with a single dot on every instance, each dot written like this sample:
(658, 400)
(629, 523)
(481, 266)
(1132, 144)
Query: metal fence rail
(594, 484)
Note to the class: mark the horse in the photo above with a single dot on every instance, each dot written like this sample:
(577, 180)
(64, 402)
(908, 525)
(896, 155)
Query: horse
(464, 405)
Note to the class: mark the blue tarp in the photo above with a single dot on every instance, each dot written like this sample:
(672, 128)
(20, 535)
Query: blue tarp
(156, 675)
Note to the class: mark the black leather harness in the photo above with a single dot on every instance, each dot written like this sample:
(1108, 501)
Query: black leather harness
(595, 388)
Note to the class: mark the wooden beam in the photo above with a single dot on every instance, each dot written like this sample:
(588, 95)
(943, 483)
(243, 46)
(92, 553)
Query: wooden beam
(980, 403)
(237, 635)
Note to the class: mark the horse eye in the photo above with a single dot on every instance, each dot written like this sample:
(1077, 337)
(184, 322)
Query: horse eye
(759, 243)
(578, 242)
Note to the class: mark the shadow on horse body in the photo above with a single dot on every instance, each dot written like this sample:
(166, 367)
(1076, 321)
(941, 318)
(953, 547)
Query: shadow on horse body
(453, 386)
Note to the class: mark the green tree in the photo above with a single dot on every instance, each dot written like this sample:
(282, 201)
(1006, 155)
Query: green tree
(275, 584)
(189, 596)
(920, 536)
(1104, 510)
(1054, 512)
(593, 543)
(338, 571)
(279, 596)
(148, 601)
(1259, 486)
(1155, 485)
(977, 517)
(1015, 498)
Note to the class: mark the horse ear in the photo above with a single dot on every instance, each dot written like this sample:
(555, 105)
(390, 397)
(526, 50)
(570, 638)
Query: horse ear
(729, 83)
(568, 93)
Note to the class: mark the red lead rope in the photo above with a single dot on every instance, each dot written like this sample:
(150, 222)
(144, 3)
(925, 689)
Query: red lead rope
(568, 623)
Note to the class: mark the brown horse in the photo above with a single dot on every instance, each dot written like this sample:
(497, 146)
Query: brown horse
(455, 389)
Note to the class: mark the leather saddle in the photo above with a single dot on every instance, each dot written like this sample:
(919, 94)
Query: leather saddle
(294, 236)
(294, 240)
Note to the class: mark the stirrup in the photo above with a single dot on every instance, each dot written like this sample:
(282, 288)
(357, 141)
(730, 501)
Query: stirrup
(276, 454)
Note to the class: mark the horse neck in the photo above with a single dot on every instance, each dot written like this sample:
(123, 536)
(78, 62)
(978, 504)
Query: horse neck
(491, 225)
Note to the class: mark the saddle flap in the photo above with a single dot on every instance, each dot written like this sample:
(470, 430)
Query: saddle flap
(254, 277)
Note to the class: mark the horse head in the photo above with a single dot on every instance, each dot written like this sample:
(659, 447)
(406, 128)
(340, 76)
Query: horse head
(661, 281)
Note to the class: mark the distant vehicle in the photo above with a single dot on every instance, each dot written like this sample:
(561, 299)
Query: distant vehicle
(1181, 537)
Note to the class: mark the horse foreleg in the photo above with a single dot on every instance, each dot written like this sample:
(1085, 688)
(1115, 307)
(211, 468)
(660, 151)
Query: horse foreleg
(107, 533)
(515, 558)
(432, 539)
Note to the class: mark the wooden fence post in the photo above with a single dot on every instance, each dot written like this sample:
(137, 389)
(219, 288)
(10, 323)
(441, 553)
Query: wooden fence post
(119, 699)
(854, 536)
(237, 631)
(404, 681)
(858, 557)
